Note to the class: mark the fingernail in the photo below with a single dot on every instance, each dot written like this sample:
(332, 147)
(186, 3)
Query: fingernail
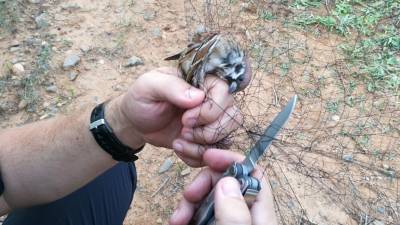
(177, 146)
(193, 93)
(188, 136)
(231, 188)
(191, 122)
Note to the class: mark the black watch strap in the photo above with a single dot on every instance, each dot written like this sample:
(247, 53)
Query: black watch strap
(106, 138)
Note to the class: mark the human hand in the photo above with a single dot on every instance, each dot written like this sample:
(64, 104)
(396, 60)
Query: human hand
(153, 111)
(230, 207)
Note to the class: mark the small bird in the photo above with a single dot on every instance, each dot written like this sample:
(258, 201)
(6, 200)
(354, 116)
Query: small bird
(216, 54)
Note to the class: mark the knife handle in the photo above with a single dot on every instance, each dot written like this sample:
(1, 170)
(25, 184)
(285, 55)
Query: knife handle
(249, 187)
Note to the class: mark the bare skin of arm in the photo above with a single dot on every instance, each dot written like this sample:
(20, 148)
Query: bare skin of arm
(47, 160)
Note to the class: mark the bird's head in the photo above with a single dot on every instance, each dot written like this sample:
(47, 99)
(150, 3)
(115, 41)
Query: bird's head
(236, 71)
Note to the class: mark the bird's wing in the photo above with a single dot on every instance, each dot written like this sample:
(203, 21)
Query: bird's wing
(202, 52)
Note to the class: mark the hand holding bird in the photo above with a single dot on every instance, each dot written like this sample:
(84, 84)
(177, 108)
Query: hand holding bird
(218, 55)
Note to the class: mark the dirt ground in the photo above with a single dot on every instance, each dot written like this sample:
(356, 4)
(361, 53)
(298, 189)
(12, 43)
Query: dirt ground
(106, 34)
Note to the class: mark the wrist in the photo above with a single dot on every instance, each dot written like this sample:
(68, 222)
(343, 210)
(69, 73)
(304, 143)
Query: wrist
(123, 128)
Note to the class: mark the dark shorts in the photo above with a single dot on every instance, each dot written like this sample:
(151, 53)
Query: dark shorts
(104, 201)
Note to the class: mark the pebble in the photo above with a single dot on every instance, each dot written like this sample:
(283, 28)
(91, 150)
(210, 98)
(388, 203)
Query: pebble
(167, 164)
(348, 157)
(156, 32)
(134, 61)
(51, 89)
(73, 75)
(71, 61)
(185, 172)
(18, 69)
(15, 49)
(45, 116)
(200, 29)
(101, 62)
(22, 104)
(149, 15)
(35, 1)
(381, 210)
(14, 43)
(159, 221)
(85, 48)
(335, 118)
(42, 21)
(378, 222)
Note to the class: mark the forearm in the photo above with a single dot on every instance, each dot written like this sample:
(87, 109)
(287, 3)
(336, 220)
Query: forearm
(45, 161)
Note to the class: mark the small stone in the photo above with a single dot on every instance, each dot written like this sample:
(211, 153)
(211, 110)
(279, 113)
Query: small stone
(386, 166)
(14, 43)
(156, 32)
(335, 118)
(42, 21)
(45, 116)
(200, 29)
(117, 87)
(35, 1)
(378, 222)
(15, 49)
(101, 61)
(185, 172)
(46, 104)
(149, 15)
(18, 69)
(70, 6)
(73, 75)
(348, 157)
(22, 104)
(134, 61)
(159, 221)
(51, 89)
(381, 210)
(71, 61)
(166, 165)
(85, 48)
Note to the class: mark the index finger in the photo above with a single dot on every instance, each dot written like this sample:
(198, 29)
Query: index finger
(216, 102)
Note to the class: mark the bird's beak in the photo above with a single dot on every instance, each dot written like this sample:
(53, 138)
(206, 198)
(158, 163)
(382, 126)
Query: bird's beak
(233, 87)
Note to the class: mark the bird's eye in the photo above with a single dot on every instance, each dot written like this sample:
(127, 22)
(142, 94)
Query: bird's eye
(238, 68)
(240, 78)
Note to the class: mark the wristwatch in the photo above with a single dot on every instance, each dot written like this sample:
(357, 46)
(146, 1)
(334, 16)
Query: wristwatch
(107, 140)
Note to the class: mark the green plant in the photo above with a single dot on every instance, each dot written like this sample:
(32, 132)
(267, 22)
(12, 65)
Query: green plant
(9, 15)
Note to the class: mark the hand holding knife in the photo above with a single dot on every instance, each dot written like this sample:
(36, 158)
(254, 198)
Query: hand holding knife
(250, 186)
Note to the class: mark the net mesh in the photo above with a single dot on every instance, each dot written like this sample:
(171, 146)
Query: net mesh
(337, 161)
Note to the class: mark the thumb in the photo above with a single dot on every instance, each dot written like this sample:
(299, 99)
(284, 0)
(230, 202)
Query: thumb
(175, 90)
(230, 207)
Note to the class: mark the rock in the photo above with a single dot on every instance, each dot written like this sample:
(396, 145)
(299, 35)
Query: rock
(15, 49)
(149, 15)
(101, 61)
(18, 69)
(200, 29)
(134, 61)
(348, 157)
(381, 210)
(118, 87)
(14, 43)
(378, 222)
(42, 21)
(22, 104)
(45, 116)
(51, 89)
(167, 164)
(159, 221)
(335, 118)
(70, 6)
(71, 61)
(35, 1)
(156, 32)
(73, 75)
(85, 48)
(185, 171)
